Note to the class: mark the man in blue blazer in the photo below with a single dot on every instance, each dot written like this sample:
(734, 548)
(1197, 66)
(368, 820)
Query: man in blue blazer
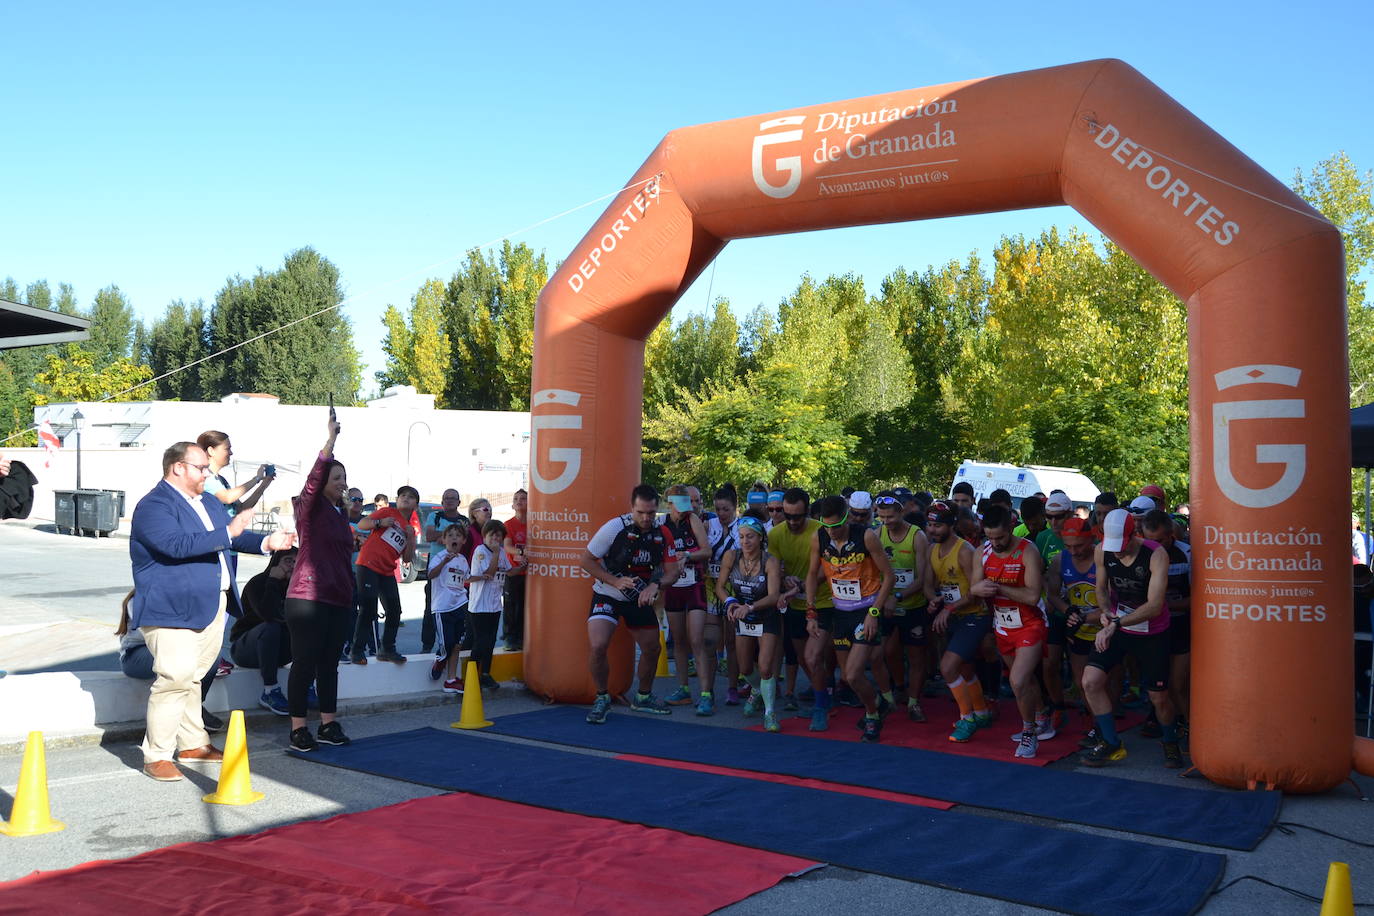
(183, 585)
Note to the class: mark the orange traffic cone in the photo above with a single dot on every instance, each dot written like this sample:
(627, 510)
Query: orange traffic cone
(235, 782)
(30, 815)
(1338, 899)
(472, 715)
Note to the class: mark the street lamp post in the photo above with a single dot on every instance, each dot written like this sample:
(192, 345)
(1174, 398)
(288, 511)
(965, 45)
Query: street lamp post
(78, 422)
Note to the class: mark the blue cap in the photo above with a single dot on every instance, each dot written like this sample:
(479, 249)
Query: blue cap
(757, 498)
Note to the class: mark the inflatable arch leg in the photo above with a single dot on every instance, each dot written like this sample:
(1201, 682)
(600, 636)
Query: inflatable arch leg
(1260, 271)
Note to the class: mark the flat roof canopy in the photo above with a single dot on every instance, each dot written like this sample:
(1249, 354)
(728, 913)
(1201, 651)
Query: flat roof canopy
(26, 326)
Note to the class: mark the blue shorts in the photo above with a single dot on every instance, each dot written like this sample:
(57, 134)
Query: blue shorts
(966, 634)
(449, 626)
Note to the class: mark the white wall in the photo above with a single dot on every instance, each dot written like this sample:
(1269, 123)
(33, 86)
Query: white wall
(479, 452)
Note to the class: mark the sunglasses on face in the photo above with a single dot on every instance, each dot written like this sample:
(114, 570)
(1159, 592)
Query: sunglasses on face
(355, 499)
(794, 516)
(887, 501)
(836, 524)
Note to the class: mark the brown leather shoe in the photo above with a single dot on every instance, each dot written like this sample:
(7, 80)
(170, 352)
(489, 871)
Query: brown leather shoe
(209, 753)
(163, 771)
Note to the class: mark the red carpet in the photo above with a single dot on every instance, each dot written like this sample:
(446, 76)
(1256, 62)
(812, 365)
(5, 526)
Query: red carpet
(933, 735)
(793, 781)
(446, 854)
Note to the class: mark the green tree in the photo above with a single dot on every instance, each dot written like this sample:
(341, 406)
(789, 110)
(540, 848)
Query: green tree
(302, 364)
(759, 429)
(77, 376)
(112, 327)
(489, 319)
(175, 340)
(417, 348)
(691, 356)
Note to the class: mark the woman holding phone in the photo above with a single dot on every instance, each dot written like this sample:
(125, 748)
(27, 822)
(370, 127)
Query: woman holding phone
(319, 599)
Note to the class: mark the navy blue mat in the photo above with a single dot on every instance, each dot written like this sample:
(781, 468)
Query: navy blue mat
(1230, 819)
(962, 852)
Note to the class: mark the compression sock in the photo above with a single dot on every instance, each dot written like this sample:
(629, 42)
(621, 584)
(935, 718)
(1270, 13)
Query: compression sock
(769, 688)
(1106, 727)
(1169, 732)
(976, 700)
(959, 688)
(823, 698)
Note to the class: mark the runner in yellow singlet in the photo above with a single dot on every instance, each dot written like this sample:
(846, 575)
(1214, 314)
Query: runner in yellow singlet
(906, 621)
(955, 609)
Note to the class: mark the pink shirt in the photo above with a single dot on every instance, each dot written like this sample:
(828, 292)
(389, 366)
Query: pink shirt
(324, 568)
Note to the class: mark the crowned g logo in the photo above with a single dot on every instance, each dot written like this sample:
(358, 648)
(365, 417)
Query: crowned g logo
(791, 165)
(1292, 456)
(570, 458)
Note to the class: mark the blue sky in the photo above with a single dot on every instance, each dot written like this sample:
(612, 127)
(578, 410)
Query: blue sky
(167, 147)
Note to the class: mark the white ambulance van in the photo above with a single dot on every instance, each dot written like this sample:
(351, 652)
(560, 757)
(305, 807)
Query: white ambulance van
(1025, 481)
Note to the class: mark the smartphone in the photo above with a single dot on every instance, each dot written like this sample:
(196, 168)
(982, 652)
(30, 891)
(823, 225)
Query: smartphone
(271, 470)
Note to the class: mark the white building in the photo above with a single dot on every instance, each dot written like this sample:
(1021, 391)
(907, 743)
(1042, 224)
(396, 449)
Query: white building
(397, 439)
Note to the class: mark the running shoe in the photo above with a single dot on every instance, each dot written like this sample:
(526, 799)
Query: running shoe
(1028, 745)
(302, 740)
(770, 722)
(914, 711)
(753, 706)
(647, 702)
(1089, 739)
(357, 660)
(1173, 756)
(845, 696)
(391, 655)
(1150, 728)
(224, 668)
(331, 733)
(1044, 731)
(732, 697)
(789, 702)
(873, 728)
(706, 706)
(213, 723)
(964, 729)
(453, 685)
(488, 682)
(680, 697)
(436, 670)
(274, 702)
(601, 708)
(743, 687)
(1103, 753)
(820, 719)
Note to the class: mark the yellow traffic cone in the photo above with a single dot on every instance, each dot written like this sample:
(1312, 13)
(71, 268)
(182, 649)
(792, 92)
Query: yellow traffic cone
(30, 815)
(662, 656)
(472, 715)
(235, 782)
(1338, 899)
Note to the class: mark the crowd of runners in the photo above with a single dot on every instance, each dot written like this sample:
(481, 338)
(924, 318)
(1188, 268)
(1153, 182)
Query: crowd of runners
(1074, 611)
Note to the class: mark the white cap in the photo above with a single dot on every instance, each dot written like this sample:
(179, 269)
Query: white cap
(861, 500)
(1117, 528)
(1142, 504)
(1058, 502)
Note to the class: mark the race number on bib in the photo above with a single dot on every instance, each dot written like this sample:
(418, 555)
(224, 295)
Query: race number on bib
(688, 577)
(455, 578)
(1142, 627)
(749, 629)
(950, 594)
(394, 538)
(846, 589)
(713, 570)
(1008, 618)
(904, 578)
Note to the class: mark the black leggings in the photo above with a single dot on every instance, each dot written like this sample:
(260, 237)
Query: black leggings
(374, 587)
(483, 628)
(318, 631)
(266, 647)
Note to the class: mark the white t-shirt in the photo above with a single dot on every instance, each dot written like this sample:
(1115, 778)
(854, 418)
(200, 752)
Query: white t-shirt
(484, 595)
(448, 588)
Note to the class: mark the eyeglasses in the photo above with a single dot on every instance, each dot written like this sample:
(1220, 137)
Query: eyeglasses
(793, 516)
(203, 468)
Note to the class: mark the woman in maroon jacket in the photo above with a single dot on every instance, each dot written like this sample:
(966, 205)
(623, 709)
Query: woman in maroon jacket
(320, 597)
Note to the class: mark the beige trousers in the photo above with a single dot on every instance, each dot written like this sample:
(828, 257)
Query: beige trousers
(180, 659)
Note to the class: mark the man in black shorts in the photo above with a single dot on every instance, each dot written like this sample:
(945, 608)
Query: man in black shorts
(1159, 526)
(628, 557)
(1132, 580)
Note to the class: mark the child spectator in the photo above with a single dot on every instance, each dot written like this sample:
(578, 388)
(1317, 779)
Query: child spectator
(448, 571)
(485, 584)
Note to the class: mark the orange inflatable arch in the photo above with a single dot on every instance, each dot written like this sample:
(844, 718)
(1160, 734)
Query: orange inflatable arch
(1261, 273)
